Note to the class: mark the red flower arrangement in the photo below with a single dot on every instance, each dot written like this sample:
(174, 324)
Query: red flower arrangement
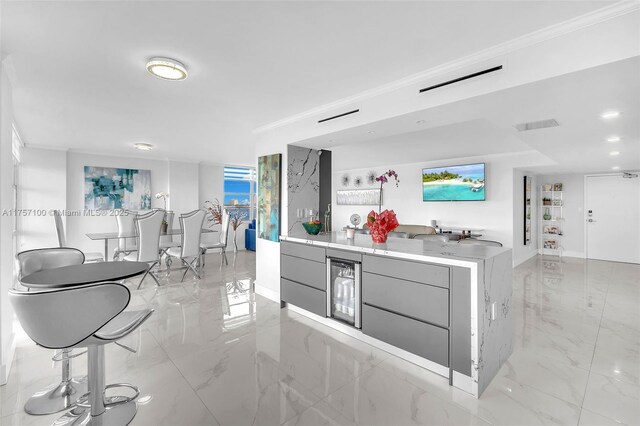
(383, 222)
(380, 224)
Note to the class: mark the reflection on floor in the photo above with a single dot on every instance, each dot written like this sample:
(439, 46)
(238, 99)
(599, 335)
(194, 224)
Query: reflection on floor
(216, 353)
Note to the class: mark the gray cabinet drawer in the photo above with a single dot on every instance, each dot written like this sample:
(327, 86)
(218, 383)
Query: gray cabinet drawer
(308, 298)
(407, 270)
(421, 301)
(427, 341)
(304, 251)
(343, 254)
(304, 271)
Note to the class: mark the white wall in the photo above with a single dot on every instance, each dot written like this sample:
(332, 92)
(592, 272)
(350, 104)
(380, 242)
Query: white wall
(78, 227)
(573, 211)
(522, 252)
(44, 187)
(7, 335)
(495, 215)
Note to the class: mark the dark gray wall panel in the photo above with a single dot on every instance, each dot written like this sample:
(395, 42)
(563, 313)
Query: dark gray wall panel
(420, 301)
(425, 340)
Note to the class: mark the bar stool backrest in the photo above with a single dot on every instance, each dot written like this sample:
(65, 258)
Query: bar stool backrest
(31, 261)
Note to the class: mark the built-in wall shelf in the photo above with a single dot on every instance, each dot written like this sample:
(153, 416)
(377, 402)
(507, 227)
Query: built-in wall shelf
(551, 219)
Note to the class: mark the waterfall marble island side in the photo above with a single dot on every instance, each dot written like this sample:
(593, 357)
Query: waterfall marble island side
(443, 306)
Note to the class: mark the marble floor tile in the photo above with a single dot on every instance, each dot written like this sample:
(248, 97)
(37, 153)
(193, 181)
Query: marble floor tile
(589, 418)
(214, 352)
(613, 398)
(379, 398)
(617, 357)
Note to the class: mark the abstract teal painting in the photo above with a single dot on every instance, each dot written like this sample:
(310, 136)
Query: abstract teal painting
(269, 170)
(112, 188)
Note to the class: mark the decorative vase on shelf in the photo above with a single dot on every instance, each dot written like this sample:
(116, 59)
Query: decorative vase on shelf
(546, 215)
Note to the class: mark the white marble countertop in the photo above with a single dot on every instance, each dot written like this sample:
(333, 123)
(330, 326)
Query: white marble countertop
(426, 251)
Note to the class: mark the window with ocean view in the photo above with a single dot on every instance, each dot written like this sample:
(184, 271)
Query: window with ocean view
(240, 190)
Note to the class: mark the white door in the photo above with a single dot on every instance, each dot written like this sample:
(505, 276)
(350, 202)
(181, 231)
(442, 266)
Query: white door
(613, 218)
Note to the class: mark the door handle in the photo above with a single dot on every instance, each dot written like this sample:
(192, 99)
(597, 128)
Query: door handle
(591, 220)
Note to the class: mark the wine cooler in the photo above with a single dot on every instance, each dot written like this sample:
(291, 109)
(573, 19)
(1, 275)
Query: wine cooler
(343, 291)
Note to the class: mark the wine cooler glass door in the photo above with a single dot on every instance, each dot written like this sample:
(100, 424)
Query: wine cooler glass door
(343, 284)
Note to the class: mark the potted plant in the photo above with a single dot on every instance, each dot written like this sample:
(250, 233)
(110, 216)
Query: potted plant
(383, 222)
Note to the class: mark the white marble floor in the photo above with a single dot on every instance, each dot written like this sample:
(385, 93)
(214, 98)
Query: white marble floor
(216, 353)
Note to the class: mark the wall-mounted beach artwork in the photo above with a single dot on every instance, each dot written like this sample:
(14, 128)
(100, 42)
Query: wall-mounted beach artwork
(269, 172)
(454, 183)
(112, 188)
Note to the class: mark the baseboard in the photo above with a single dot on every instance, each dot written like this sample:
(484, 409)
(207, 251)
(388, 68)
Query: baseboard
(268, 293)
(5, 368)
(517, 262)
(578, 254)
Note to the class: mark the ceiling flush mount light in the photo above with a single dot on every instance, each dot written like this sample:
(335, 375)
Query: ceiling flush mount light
(608, 115)
(615, 168)
(167, 69)
(614, 153)
(613, 139)
(371, 132)
(420, 122)
(143, 146)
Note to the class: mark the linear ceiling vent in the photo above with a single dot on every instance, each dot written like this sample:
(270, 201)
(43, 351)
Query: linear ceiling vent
(459, 79)
(535, 125)
(338, 116)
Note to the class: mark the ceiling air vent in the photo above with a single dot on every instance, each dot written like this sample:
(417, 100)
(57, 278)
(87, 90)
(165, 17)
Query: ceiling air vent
(459, 79)
(535, 125)
(338, 116)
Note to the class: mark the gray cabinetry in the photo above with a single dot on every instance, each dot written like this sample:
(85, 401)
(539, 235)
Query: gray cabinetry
(416, 300)
(422, 339)
(303, 273)
(407, 270)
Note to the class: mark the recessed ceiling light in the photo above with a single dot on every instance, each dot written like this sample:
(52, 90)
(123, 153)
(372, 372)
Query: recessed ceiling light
(167, 69)
(614, 153)
(143, 146)
(615, 168)
(609, 115)
(371, 132)
(612, 139)
(420, 122)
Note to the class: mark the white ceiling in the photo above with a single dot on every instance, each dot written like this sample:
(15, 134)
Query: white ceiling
(485, 125)
(80, 82)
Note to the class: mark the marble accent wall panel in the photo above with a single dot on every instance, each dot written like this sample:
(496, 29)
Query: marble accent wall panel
(495, 339)
(303, 177)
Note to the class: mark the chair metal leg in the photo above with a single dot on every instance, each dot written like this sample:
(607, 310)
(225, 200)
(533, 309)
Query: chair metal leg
(116, 411)
(60, 397)
(150, 274)
(190, 267)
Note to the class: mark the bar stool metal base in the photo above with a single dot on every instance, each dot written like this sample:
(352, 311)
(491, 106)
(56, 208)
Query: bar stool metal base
(114, 415)
(56, 399)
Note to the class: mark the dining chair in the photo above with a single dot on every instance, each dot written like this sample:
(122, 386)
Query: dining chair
(474, 242)
(166, 241)
(443, 238)
(64, 394)
(148, 242)
(62, 239)
(90, 316)
(126, 233)
(222, 242)
(189, 251)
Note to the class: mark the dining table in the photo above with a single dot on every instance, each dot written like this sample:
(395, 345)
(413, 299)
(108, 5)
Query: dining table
(106, 236)
(86, 273)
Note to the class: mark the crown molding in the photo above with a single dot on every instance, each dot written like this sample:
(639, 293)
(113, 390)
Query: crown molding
(47, 147)
(548, 33)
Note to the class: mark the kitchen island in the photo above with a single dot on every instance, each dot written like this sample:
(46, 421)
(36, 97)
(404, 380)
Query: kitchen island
(443, 306)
